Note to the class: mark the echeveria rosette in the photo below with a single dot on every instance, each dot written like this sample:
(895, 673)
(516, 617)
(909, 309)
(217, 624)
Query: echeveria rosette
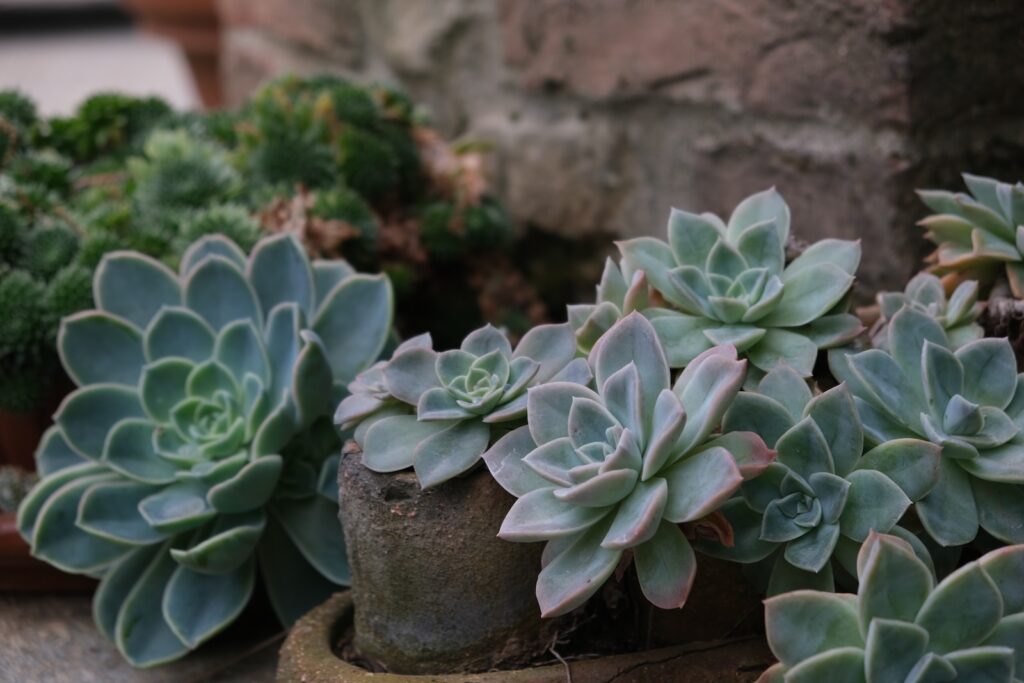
(197, 448)
(600, 473)
(969, 401)
(981, 233)
(958, 315)
(729, 284)
(901, 627)
(437, 411)
(820, 499)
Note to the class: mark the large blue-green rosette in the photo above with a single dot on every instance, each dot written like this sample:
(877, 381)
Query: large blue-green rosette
(197, 450)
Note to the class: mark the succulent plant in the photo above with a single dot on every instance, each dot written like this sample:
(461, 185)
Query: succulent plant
(958, 315)
(106, 124)
(435, 412)
(17, 117)
(820, 499)
(178, 171)
(979, 233)
(717, 283)
(197, 448)
(40, 281)
(969, 401)
(599, 473)
(901, 627)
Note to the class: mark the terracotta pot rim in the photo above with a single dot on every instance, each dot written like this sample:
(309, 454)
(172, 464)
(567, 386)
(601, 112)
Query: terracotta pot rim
(307, 655)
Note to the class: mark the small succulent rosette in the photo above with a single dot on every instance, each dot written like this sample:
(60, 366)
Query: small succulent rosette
(716, 283)
(981, 233)
(599, 473)
(901, 627)
(969, 401)
(816, 504)
(197, 449)
(438, 412)
(958, 315)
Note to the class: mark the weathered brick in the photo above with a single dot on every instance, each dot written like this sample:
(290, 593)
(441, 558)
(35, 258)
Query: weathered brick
(331, 28)
(820, 58)
(249, 58)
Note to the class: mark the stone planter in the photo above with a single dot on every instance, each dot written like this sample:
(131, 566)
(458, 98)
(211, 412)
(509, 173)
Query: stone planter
(308, 656)
(436, 590)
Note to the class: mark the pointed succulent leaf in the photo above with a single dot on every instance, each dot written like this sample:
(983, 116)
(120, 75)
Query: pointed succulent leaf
(841, 665)
(949, 512)
(782, 346)
(134, 287)
(990, 372)
(86, 416)
(231, 542)
(788, 388)
(311, 524)
(539, 515)
(809, 293)
(638, 518)
(111, 510)
(218, 291)
(327, 275)
(767, 205)
(505, 461)
(894, 583)
(874, 502)
(178, 332)
(666, 567)
(207, 246)
(54, 453)
(389, 444)
(293, 585)
(570, 578)
(691, 237)
(97, 347)
(893, 649)
(548, 407)
(141, 632)
(198, 606)
(57, 539)
(552, 346)
(911, 464)
(758, 414)
(633, 341)
(962, 610)
(280, 271)
(354, 322)
(699, 484)
(449, 453)
(803, 624)
(805, 450)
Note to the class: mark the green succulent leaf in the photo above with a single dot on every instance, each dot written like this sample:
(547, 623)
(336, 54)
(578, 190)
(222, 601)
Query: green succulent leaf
(197, 606)
(134, 287)
(97, 347)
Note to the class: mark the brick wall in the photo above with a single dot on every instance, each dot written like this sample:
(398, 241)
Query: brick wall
(604, 113)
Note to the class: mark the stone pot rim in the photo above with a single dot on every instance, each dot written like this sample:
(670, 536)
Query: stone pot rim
(307, 656)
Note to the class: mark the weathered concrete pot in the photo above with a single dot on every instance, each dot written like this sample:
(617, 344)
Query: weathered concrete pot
(436, 590)
(308, 657)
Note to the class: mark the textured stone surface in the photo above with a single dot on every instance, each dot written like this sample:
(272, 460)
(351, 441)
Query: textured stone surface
(605, 113)
(436, 590)
(51, 639)
(307, 657)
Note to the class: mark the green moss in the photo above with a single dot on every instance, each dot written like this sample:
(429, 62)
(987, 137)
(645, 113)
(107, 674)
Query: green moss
(107, 123)
(49, 248)
(23, 315)
(70, 291)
